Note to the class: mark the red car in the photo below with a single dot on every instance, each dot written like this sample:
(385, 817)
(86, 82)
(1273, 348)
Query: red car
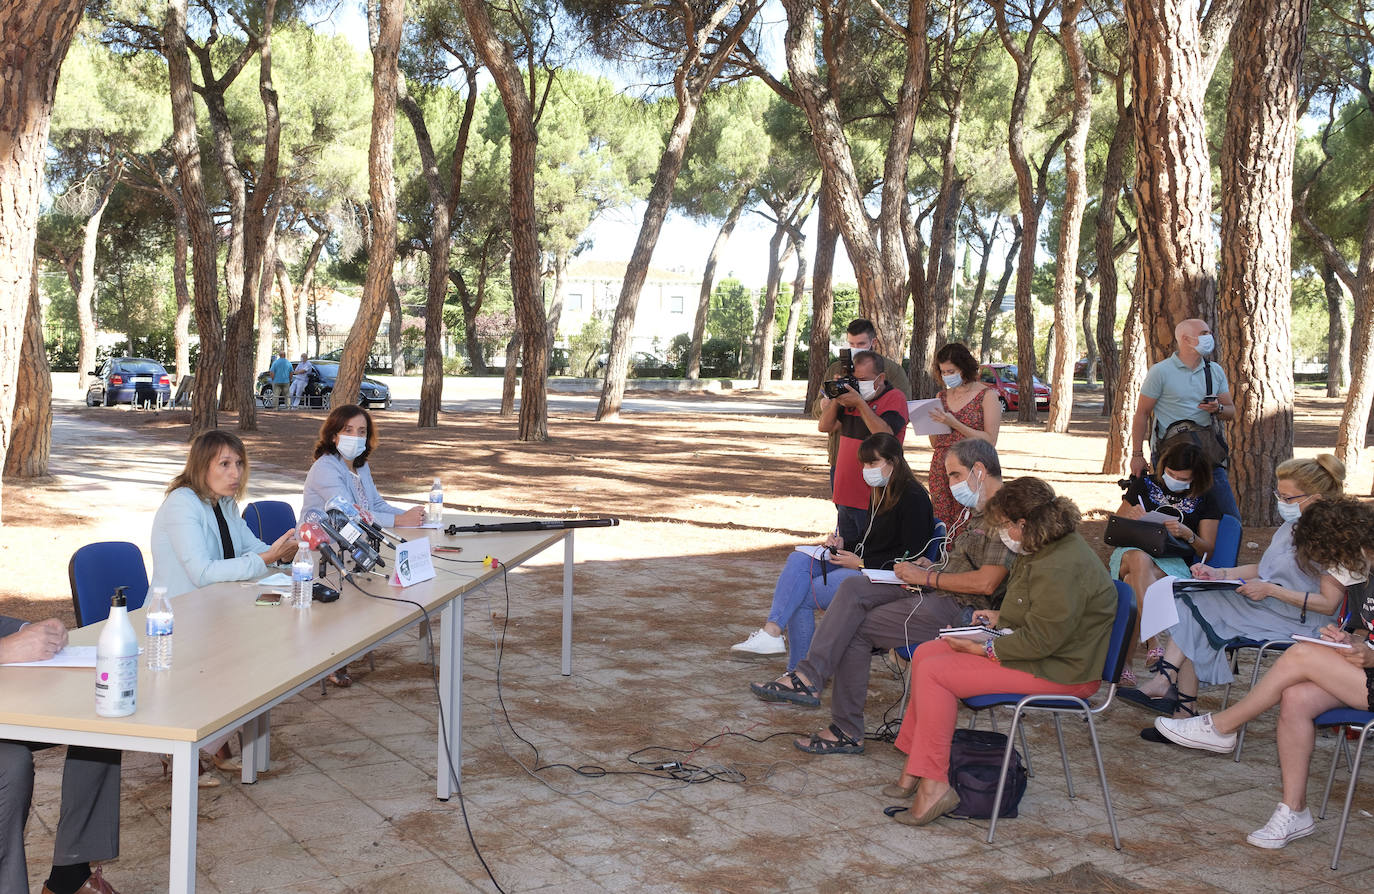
(1002, 377)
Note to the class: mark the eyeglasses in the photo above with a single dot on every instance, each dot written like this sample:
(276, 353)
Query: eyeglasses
(1290, 500)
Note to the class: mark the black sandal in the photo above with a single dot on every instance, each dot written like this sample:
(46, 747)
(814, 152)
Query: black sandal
(798, 693)
(841, 744)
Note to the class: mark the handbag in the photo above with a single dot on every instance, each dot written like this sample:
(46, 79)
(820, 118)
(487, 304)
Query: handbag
(1208, 438)
(1151, 538)
(975, 762)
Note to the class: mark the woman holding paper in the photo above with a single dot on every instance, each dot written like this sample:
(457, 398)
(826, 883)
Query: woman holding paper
(1279, 596)
(970, 409)
(1336, 540)
(900, 526)
(1059, 606)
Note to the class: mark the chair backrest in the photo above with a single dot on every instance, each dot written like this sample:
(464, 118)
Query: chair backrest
(1121, 631)
(96, 569)
(1227, 549)
(269, 519)
(937, 543)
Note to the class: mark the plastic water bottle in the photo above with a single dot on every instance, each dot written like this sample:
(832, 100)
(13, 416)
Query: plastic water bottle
(157, 648)
(116, 662)
(435, 513)
(302, 577)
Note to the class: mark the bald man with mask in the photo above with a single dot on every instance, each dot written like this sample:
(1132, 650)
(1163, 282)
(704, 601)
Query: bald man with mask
(1176, 388)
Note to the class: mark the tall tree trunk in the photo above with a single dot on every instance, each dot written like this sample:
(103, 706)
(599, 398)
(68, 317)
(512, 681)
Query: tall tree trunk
(291, 339)
(1024, 57)
(789, 338)
(524, 259)
(1071, 221)
(1337, 327)
(381, 252)
(85, 291)
(932, 303)
(508, 376)
(560, 291)
(1117, 459)
(31, 431)
(393, 331)
(1000, 293)
(1173, 181)
(186, 151)
(986, 240)
(1113, 180)
(708, 279)
(1351, 433)
(763, 330)
(305, 292)
(946, 247)
(1089, 342)
(1256, 237)
(822, 296)
(470, 308)
(267, 275)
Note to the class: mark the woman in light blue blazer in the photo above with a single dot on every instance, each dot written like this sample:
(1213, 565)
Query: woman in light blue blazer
(200, 539)
(347, 438)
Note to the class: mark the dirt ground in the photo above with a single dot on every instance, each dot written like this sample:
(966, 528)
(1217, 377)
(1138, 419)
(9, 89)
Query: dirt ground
(710, 488)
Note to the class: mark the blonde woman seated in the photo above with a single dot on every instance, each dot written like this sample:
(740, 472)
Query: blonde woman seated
(1279, 597)
(1336, 537)
(199, 538)
(1059, 604)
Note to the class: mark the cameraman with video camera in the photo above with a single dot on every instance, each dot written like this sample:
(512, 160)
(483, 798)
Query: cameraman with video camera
(857, 404)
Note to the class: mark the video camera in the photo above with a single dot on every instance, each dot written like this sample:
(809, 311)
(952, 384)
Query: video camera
(846, 378)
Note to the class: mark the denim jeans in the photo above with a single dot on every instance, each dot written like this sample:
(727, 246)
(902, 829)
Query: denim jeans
(800, 591)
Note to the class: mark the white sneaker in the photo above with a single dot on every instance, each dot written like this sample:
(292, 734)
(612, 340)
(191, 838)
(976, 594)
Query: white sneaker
(1284, 826)
(761, 642)
(1195, 732)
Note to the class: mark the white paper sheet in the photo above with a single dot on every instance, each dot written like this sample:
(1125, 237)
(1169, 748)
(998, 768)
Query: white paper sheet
(70, 656)
(921, 423)
(816, 552)
(882, 576)
(1158, 611)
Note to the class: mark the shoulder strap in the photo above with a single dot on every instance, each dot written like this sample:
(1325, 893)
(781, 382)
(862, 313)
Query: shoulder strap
(1207, 374)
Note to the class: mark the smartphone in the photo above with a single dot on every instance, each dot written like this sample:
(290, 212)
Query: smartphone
(268, 599)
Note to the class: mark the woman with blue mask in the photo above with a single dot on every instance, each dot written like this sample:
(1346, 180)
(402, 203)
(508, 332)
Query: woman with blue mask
(1279, 597)
(970, 409)
(1180, 487)
(900, 526)
(345, 442)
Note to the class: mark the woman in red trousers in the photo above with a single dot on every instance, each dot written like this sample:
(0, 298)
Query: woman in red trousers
(1059, 605)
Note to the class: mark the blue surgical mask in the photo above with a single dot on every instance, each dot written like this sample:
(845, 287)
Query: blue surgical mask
(1289, 512)
(876, 477)
(1206, 344)
(965, 495)
(953, 381)
(351, 445)
(1174, 485)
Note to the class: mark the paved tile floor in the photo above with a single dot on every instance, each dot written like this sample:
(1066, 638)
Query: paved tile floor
(349, 803)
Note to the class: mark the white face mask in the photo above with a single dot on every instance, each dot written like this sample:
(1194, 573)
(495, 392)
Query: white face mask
(1013, 545)
(876, 476)
(1206, 344)
(953, 380)
(1174, 485)
(1347, 577)
(965, 495)
(1290, 511)
(867, 389)
(351, 445)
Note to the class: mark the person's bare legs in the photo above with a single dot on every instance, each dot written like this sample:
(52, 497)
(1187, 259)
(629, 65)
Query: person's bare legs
(1322, 666)
(1300, 705)
(1138, 570)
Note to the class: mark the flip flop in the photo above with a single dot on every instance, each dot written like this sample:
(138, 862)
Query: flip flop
(794, 691)
(841, 744)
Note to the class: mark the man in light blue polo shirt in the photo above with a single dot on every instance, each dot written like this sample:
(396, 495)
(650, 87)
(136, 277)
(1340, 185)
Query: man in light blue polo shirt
(1176, 388)
(281, 377)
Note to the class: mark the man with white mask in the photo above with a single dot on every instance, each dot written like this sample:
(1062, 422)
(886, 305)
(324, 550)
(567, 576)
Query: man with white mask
(970, 575)
(875, 407)
(1184, 385)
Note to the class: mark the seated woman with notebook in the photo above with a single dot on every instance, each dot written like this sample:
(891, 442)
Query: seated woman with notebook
(1335, 540)
(1279, 597)
(901, 525)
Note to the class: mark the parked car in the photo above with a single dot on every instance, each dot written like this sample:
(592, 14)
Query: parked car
(129, 380)
(1003, 378)
(643, 365)
(1080, 368)
(319, 390)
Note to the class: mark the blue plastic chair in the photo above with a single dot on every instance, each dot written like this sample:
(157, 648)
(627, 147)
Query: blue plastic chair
(96, 569)
(1226, 550)
(269, 519)
(1341, 718)
(1056, 705)
(937, 542)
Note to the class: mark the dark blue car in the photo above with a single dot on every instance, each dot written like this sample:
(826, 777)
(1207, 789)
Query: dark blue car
(129, 380)
(319, 389)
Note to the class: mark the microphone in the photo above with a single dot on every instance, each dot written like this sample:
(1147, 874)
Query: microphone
(358, 517)
(351, 541)
(316, 531)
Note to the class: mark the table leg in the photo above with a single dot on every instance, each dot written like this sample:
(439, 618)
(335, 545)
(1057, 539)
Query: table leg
(567, 601)
(450, 766)
(185, 765)
(252, 746)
